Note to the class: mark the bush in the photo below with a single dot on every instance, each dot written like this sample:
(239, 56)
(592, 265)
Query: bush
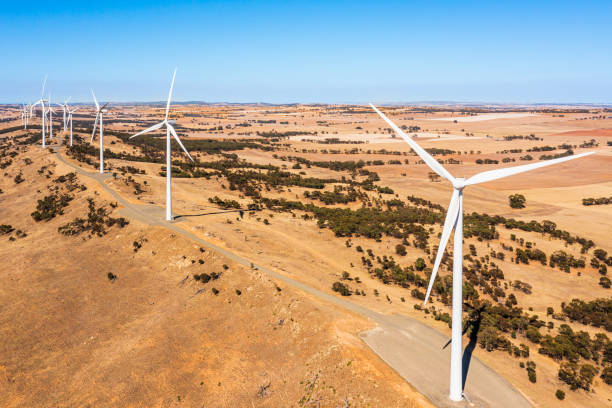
(531, 372)
(533, 334)
(560, 395)
(50, 206)
(203, 277)
(605, 282)
(6, 229)
(400, 250)
(341, 288)
(517, 201)
(419, 264)
(577, 377)
(606, 375)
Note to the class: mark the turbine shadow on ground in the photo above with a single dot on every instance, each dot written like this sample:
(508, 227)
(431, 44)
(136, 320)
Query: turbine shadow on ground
(469, 349)
(213, 213)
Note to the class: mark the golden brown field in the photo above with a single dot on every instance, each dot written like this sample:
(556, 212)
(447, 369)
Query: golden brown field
(74, 337)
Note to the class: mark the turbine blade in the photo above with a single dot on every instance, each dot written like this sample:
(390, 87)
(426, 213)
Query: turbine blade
(42, 94)
(179, 141)
(449, 224)
(94, 128)
(510, 171)
(150, 129)
(427, 158)
(170, 94)
(95, 100)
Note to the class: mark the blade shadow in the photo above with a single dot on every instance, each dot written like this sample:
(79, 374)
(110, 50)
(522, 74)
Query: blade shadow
(212, 213)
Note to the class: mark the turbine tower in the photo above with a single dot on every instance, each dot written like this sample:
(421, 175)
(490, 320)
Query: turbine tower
(42, 101)
(65, 109)
(454, 220)
(51, 112)
(99, 111)
(70, 112)
(169, 129)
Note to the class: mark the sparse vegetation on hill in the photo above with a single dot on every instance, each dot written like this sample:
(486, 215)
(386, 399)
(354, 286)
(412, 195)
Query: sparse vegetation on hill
(50, 206)
(97, 222)
(597, 201)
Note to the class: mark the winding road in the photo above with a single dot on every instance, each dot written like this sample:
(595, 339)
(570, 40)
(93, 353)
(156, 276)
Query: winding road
(414, 350)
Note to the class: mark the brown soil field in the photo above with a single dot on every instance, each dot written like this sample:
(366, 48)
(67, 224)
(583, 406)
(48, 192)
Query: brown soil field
(57, 287)
(154, 336)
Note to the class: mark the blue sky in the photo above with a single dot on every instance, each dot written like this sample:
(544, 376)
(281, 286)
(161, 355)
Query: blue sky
(312, 51)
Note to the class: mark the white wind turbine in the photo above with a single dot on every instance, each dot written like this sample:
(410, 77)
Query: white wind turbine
(23, 116)
(99, 111)
(42, 101)
(169, 129)
(454, 220)
(70, 112)
(51, 112)
(65, 109)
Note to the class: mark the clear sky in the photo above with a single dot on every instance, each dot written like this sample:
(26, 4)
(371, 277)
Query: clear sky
(310, 51)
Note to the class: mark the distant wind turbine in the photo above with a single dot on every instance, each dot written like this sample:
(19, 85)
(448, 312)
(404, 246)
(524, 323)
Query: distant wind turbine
(65, 109)
(99, 111)
(51, 112)
(42, 101)
(70, 112)
(454, 220)
(169, 129)
(23, 116)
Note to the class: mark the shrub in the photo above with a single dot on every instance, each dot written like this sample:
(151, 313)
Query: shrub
(203, 277)
(606, 375)
(577, 377)
(533, 334)
(605, 282)
(341, 288)
(6, 229)
(215, 291)
(560, 395)
(400, 250)
(51, 206)
(111, 276)
(517, 201)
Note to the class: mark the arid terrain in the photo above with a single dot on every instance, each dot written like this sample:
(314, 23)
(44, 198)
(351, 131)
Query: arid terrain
(98, 308)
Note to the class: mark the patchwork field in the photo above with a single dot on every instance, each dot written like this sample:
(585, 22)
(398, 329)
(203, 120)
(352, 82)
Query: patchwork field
(327, 195)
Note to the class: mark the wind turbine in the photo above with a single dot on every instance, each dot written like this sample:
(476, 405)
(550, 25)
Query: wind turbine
(454, 220)
(51, 112)
(99, 111)
(23, 116)
(70, 112)
(65, 109)
(169, 129)
(42, 101)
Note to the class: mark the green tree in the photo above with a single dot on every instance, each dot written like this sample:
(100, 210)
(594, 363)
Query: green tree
(517, 201)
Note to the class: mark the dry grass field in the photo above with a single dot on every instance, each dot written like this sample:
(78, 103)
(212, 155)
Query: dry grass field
(299, 188)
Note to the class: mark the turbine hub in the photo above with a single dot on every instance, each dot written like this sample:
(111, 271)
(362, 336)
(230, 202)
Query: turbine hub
(172, 122)
(459, 183)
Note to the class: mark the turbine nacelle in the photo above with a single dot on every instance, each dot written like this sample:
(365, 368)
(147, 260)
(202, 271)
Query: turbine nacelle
(459, 183)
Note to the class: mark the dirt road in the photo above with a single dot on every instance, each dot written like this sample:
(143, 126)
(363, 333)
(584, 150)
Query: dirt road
(416, 351)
